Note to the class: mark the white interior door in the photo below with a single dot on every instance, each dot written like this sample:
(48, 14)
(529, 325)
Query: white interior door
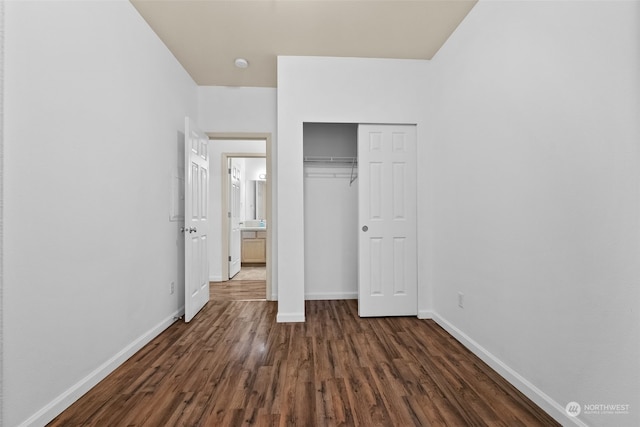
(235, 173)
(196, 220)
(387, 279)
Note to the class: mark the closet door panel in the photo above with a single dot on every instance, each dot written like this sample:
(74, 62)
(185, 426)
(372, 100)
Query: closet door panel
(387, 245)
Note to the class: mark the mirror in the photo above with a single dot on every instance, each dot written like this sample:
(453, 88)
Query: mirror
(261, 199)
(256, 196)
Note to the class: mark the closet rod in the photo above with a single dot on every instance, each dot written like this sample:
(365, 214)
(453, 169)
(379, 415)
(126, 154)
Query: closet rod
(325, 159)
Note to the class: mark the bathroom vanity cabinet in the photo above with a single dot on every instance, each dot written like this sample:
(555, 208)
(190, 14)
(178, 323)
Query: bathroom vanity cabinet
(254, 247)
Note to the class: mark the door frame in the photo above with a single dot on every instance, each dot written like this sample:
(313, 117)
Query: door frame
(245, 136)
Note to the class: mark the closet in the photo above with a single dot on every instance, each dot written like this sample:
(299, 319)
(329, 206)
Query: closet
(330, 210)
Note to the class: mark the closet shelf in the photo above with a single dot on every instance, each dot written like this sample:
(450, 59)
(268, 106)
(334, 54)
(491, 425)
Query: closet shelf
(331, 160)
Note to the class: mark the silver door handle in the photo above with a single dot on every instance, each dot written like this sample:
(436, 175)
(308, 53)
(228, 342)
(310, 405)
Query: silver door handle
(193, 230)
(365, 228)
(183, 229)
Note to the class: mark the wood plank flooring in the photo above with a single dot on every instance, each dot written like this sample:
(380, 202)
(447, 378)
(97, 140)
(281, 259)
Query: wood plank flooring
(238, 290)
(234, 365)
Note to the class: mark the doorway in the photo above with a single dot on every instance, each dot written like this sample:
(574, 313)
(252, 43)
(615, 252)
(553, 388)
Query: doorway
(330, 210)
(235, 147)
(246, 212)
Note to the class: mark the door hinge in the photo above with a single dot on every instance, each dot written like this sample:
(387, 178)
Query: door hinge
(229, 171)
(228, 214)
(229, 258)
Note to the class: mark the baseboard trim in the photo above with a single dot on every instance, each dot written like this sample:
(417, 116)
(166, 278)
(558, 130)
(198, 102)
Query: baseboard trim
(215, 278)
(425, 314)
(64, 400)
(330, 295)
(544, 401)
(290, 317)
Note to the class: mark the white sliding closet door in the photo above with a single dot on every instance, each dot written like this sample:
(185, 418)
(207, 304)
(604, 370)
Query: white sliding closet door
(387, 280)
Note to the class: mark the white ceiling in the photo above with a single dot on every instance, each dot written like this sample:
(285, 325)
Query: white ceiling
(207, 35)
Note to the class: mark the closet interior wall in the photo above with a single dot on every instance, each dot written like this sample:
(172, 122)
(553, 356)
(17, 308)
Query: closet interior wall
(330, 210)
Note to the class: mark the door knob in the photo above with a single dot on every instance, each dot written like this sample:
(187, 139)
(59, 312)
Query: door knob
(193, 230)
(365, 228)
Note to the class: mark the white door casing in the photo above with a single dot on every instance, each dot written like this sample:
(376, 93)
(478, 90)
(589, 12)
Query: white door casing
(235, 237)
(387, 279)
(196, 220)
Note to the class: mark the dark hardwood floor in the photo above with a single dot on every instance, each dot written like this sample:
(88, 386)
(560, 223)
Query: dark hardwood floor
(234, 365)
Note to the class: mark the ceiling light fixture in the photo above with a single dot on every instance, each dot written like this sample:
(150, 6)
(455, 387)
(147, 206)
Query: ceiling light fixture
(241, 63)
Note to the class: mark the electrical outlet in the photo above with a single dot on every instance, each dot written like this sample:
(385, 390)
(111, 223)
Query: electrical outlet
(172, 288)
(460, 300)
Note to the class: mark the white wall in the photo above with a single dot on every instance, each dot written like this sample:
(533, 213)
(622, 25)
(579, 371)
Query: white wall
(330, 233)
(335, 90)
(216, 148)
(331, 139)
(94, 115)
(254, 167)
(537, 204)
(237, 109)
